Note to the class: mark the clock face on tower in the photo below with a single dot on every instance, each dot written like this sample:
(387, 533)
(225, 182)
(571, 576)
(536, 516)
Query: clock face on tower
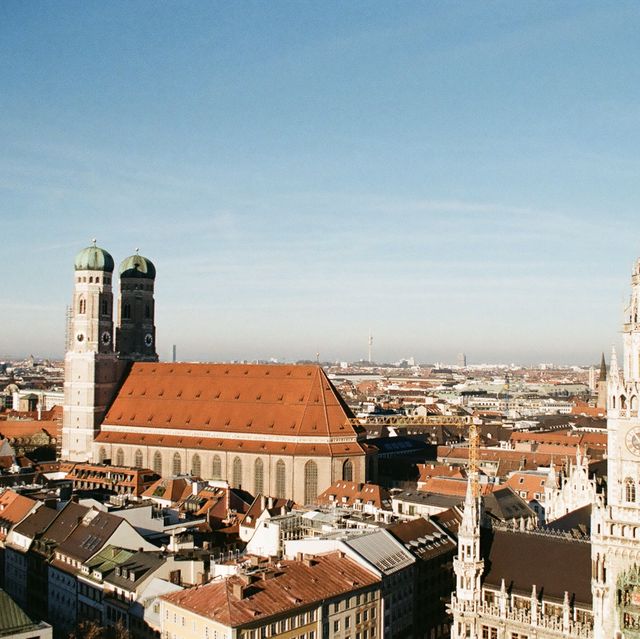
(633, 441)
(106, 338)
(148, 339)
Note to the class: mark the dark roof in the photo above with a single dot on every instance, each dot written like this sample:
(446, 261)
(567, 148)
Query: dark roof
(422, 538)
(577, 522)
(90, 536)
(504, 504)
(37, 522)
(430, 499)
(136, 568)
(65, 522)
(553, 564)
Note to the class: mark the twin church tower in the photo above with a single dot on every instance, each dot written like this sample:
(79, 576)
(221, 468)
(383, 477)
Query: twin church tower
(98, 357)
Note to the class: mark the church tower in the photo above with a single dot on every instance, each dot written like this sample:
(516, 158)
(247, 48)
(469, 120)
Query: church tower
(615, 524)
(136, 332)
(601, 388)
(91, 370)
(468, 566)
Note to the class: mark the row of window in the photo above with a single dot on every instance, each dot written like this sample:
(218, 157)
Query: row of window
(107, 280)
(310, 471)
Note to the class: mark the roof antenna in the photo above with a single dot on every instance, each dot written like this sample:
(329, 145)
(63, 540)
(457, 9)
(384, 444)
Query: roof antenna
(94, 241)
(137, 251)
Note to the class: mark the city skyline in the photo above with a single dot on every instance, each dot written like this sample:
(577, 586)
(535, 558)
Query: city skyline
(452, 179)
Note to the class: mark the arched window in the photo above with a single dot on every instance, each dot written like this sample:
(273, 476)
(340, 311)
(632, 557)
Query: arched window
(281, 480)
(119, 457)
(82, 306)
(126, 311)
(147, 311)
(216, 467)
(629, 490)
(138, 459)
(105, 307)
(310, 482)
(157, 463)
(633, 404)
(623, 402)
(347, 470)
(176, 468)
(102, 455)
(236, 477)
(258, 477)
(196, 466)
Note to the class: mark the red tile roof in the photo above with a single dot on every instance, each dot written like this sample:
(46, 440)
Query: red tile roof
(348, 493)
(13, 509)
(232, 398)
(294, 585)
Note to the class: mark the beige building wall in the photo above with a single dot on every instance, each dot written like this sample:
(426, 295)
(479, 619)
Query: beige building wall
(328, 469)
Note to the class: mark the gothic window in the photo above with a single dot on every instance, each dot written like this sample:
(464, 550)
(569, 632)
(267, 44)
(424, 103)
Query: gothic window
(147, 311)
(119, 457)
(105, 307)
(623, 402)
(310, 482)
(138, 459)
(258, 477)
(629, 490)
(176, 469)
(126, 311)
(347, 470)
(633, 404)
(102, 455)
(196, 466)
(236, 477)
(82, 306)
(281, 474)
(157, 462)
(216, 467)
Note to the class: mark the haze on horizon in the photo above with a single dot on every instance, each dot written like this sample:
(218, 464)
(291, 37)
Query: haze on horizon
(454, 177)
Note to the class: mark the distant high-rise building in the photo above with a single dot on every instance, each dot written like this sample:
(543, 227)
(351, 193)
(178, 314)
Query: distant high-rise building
(462, 360)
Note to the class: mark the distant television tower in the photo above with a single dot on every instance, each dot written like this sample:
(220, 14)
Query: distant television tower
(370, 341)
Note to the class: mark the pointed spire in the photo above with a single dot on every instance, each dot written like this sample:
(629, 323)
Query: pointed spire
(614, 373)
(552, 481)
(603, 369)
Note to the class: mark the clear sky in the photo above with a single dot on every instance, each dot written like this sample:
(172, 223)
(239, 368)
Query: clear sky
(454, 176)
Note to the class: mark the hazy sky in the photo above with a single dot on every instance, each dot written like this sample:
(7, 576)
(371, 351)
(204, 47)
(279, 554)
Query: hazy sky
(454, 176)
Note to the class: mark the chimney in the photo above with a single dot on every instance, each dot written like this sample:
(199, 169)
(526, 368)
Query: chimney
(270, 502)
(263, 502)
(237, 590)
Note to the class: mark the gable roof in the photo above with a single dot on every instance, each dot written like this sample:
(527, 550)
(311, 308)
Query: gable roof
(295, 584)
(232, 398)
(504, 504)
(13, 509)
(90, 536)
(524, 559)
(347, 493)
(37, 522)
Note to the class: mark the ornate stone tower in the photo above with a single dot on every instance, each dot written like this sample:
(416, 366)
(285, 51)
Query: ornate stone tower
(91, 367)
(615, 524)
(468, 567)
(136, 332)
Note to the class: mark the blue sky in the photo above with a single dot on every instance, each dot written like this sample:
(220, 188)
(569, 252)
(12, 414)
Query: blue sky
(454, 176)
